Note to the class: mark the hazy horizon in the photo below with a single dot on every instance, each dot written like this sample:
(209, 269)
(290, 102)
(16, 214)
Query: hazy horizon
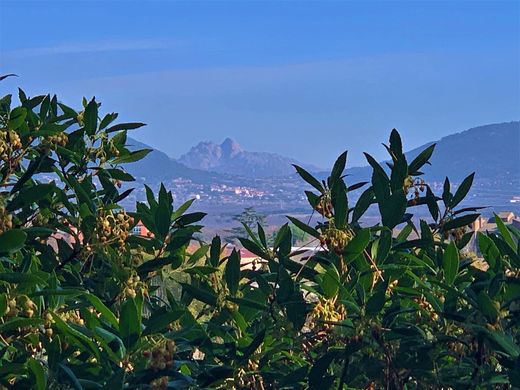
(274, 76)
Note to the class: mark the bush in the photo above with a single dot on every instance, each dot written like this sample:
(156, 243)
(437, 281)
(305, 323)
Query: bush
(81, 304)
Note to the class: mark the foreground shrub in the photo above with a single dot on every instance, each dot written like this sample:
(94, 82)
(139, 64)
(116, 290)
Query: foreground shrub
(84, 304)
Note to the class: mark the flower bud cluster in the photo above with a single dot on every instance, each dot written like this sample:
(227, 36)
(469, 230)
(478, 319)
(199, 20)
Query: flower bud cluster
(55, 140)
(413, 187)
(327, 310)
(336, 239)
(161, 357)
(113, 227)
(72, 316)
(160, 383)
(9, 143)
(105, 151)
(6, 219)
(134, 286)
(426, 306)
(324, 206)
(21, 305)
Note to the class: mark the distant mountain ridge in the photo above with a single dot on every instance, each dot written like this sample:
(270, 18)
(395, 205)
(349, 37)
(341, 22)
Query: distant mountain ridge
(230, 158)
(158, 166)
(491, 151)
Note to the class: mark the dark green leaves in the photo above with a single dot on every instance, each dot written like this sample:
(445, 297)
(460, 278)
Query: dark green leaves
(462, 191)
(422, 159)
(309, 178)
(232, 272)
(303, 226)
(450, 263)
(12, 240)
(129, 323)
(90, 117)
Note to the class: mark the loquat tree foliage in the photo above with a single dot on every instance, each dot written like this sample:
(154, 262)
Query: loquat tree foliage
(83, 303)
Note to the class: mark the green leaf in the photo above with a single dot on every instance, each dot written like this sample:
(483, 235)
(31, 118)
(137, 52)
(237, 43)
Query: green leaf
(465, 220)
(159, 321)
(17, 117)
(132, 156)
(399, 173)
(504, 232)
(202, 294)
(376, 302)
(384, 245)
(450, 263)
(90, 117)
(3, 304)
(29, 195)
(358, 244)
(12, 240)
(338, 168)
(488, 249)
(396, 145)
(72, 377)
(340, 203)
(330, 282)
(319, 369)
(487, 306)
(303, 226)
(393, 209)
(363, 203)
(248, 303)
(129, 323)
(214, 251)
(39, 374)
(125, 126)
(309, 178)
(17, 277)
(18, 322)
(419, 161)
(232, 272)
(105, 311)
(462, 191)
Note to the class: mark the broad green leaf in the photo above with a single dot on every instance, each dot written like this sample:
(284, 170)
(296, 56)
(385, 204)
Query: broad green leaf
(132, 156)
(232, 272)
(39, 374)
(17, 117)
(125, 126)
(338, 168)
(465, 220)
(200, 293)
(129, 323)
(419, 161)
(90, 117)
(504, 232)
(340, 203)
(358, 244)
(330, 282)
(303, 226)
(450, 263)
(462, 191)
(309, 178)
(214, 251)
(12, 240)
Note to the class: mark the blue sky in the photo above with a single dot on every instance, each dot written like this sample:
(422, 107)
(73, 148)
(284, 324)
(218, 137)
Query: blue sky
(304, 79)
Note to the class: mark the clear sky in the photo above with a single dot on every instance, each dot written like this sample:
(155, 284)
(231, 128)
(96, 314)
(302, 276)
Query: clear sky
(304, 79)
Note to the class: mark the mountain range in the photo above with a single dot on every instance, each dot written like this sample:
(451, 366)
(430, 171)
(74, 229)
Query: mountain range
(493, 151)
(230, 158)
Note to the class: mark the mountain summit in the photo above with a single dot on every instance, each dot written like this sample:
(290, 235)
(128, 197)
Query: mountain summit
(230, 158)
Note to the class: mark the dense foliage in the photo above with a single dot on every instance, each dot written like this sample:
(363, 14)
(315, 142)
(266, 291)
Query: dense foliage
(84, 304)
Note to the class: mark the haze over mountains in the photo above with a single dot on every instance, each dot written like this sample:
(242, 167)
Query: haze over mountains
(493, 151)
